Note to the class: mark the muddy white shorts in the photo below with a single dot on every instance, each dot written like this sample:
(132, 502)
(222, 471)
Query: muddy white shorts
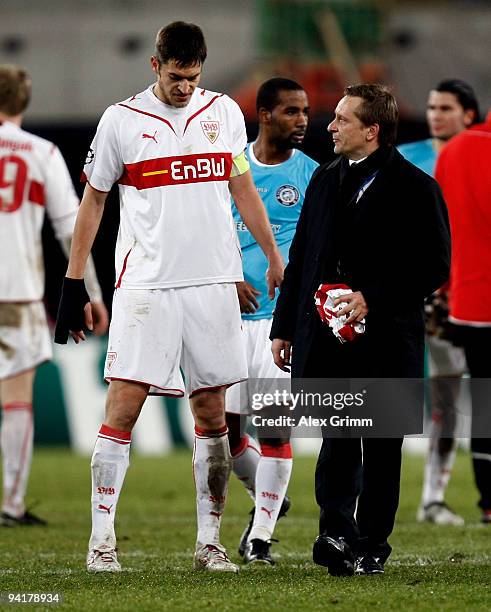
(156, 333)
(25, 341)
(445, 359)
(261, 367)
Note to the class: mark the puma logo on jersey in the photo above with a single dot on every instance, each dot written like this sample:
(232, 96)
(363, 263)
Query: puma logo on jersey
(105, 508)
(154, 137)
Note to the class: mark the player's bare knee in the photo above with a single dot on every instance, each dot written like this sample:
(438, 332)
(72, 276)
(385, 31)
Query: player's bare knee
(209, 409)
(210, 421)
(120, 422)
(17, 388)
(121, 416)
(124, 403)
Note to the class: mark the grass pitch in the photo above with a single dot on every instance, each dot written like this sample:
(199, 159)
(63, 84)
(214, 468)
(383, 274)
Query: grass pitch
(431, 568)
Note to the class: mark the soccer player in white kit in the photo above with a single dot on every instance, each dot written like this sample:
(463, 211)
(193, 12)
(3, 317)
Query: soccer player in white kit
(34, 180)
(281, 174)
(177, 152)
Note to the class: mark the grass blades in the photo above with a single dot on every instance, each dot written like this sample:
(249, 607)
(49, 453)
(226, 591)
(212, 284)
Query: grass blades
(431, 568)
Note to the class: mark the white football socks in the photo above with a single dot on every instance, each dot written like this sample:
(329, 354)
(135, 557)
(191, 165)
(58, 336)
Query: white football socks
(438, 469)
(212, 465)
(272, 478)
(16, 441)
(245, 459)
(441, 458)
(110, 461)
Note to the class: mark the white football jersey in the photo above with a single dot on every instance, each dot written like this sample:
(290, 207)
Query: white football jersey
(33, 179)
(172, 166)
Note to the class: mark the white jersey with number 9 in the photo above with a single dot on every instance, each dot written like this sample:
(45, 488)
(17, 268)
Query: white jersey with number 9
(33, 178)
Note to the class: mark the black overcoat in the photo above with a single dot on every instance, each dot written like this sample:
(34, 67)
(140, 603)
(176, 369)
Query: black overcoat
(396, 250)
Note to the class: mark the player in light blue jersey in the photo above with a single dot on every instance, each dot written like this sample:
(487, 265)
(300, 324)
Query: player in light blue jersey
(422, 153)
(281, 174)
(282, 189)
(452, 107)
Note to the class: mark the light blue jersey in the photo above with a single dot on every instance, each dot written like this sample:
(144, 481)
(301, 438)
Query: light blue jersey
(282, 189)
(420, 153)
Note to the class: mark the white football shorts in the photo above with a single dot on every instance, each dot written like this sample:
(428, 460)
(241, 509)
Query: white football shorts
(155, 333)
(445, 359)
(261, 367)
(25, 341)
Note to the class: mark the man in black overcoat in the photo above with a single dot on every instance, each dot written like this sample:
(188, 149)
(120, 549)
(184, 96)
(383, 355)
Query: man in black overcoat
(377, 223)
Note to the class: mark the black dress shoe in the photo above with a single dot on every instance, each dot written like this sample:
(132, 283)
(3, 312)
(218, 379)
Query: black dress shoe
(367, 565)
(335, 554)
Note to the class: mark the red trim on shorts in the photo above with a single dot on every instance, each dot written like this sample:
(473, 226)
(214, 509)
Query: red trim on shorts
(210, 433)
(167, 392)
(198, 112)
(136, 110)
(283, 451)
(226, 385)
(25, 370)
(18, 406)
(241, 447)
(123, 269)
(255, 449)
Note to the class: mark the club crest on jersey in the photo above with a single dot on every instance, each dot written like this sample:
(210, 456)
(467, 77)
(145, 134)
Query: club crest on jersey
(90, 156)
(211, 129)
(287, 195)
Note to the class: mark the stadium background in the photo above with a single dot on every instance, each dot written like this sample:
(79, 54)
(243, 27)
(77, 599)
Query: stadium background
(86, 55)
